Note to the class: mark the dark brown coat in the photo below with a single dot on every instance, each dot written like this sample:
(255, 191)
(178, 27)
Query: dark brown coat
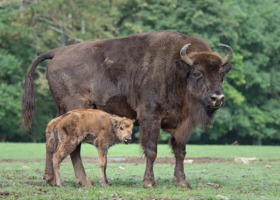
(65, 133)
(163, 79)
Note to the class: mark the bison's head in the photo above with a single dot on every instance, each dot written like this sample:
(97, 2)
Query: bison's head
(204, 72)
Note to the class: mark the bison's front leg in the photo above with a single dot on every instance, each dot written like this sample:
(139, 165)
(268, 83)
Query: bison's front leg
(149, 132)
(179, 150)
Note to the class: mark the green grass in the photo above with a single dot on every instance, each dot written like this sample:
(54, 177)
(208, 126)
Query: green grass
(37, 151)
(22, 179)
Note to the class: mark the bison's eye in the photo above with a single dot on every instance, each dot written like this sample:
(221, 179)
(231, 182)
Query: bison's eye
(197, 75)
(121, 128)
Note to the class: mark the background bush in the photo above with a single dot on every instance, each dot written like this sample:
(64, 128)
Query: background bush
(252, 111)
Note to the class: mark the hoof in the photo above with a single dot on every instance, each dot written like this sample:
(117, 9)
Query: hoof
(105, 184)
(47, 177)
(149, 184)
(51, 182)
(50, 179)
(87, 183)
(182, 183)
(59, 185)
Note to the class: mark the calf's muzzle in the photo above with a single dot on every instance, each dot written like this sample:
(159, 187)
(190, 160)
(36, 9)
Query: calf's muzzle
(127, 139)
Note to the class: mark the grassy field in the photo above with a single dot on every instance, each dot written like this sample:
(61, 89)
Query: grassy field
(22, 168)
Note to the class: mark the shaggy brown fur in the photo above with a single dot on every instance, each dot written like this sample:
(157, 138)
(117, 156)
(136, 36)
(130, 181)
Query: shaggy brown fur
(65, 133)
(142, 77)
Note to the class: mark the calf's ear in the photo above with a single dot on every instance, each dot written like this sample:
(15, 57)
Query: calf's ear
(114, 122)
(183, 68)
(226, 68)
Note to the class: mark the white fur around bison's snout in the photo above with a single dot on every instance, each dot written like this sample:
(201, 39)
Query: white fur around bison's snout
(64, 135)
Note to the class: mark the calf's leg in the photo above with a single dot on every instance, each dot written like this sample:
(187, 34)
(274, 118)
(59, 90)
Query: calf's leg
(58, 157)
(149, 132)
(63, 150)
(51, 144)
(102, 161)
(49, 172)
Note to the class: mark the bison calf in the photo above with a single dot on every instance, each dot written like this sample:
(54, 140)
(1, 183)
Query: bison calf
(65, 133)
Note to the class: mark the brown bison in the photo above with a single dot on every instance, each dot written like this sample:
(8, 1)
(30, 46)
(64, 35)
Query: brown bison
(163, 79)
(65, 133)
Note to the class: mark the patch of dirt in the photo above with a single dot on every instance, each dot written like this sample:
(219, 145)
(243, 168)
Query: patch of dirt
(142, 160)
(19, 160)
(165, 160)
(4, 194)
(40, 184)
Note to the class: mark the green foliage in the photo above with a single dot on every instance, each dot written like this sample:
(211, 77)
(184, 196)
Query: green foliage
(251, 28)
(260, 44)
(10, 92)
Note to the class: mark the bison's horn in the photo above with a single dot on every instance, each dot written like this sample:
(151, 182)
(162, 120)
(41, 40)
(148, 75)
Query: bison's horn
(229, 53)
(184, 56)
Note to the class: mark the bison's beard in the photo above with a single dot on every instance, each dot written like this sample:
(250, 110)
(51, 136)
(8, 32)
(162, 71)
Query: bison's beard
(198, 116)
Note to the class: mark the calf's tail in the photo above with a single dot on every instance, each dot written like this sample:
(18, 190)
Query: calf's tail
(28, 97)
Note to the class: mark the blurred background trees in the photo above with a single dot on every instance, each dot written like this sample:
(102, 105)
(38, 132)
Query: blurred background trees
(252, 111)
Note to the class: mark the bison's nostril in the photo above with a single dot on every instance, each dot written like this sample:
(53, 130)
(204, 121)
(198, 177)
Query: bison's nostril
(213, 98)
(216, 100)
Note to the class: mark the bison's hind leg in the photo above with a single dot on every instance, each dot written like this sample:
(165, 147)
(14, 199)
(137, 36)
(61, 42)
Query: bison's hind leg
(79, 168)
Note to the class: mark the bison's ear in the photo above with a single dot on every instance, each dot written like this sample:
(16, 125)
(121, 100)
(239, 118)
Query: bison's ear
(226, 68)
(183, 68)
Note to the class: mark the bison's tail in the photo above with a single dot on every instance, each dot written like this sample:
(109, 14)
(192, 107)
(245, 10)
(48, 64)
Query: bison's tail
(28, 97)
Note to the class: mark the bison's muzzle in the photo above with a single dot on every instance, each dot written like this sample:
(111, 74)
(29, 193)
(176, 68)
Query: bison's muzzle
(216, 100)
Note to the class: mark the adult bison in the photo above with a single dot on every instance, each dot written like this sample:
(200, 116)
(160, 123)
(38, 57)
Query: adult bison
(163, 79)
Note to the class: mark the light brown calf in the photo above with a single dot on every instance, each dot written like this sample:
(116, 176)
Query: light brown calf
(65, 133)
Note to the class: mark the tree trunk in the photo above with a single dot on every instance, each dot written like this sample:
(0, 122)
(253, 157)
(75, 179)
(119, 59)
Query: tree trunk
(257, 141)
(2, 138)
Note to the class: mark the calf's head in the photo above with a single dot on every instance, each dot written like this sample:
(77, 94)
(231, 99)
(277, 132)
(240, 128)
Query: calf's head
(123, 128)
(204, 72)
